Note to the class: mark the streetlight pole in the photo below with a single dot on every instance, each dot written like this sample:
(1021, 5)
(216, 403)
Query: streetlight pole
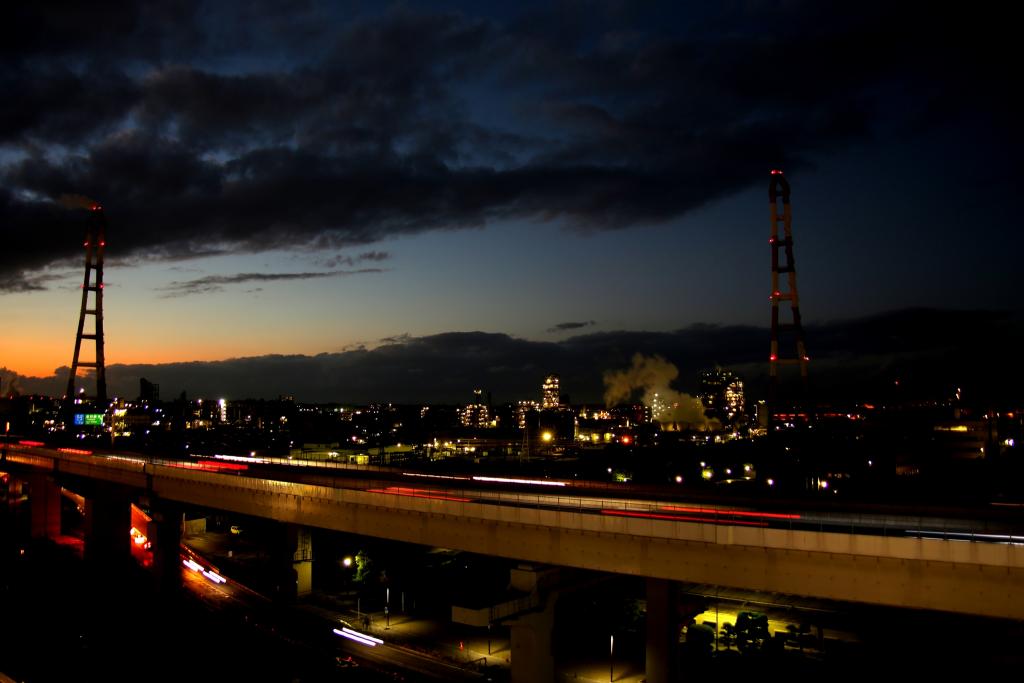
(611, 658)
(387, 611)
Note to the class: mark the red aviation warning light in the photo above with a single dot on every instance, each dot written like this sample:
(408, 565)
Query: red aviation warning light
(776, 171)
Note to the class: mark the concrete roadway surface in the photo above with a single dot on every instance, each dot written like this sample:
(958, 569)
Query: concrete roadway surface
(426, 649)
(312, 629)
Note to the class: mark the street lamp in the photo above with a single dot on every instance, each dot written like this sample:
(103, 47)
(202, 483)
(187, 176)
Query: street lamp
(611, 658)
(387, 611)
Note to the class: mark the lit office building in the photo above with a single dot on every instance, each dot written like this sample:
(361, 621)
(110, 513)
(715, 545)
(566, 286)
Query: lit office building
(550, 393)
(721, 392)
(523, 409)
(734, 404)
(477, 413)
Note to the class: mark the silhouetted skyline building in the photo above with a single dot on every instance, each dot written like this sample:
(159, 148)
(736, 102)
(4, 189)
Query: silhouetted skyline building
(148, 391)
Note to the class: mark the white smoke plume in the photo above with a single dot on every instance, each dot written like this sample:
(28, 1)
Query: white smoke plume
(652, 376)
(10, 386)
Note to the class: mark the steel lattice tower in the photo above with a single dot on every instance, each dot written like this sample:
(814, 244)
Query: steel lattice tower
(792, 333)
(95, 241)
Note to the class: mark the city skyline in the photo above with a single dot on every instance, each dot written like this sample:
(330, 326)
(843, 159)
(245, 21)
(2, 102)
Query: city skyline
(374, 183)
(915, 354)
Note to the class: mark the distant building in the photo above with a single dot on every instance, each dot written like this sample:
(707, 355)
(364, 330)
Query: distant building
(762, 414)
(631, 415)
(523, 410)
(477, 413)
(550, 395)
(148, 391)
(734, 402)
(721, 392)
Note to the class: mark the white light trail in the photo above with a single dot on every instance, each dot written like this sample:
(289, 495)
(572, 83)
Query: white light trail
(359, 639)
(434, 476)
(215, 577)
(534, 482)
(362, 635)
(241, 458)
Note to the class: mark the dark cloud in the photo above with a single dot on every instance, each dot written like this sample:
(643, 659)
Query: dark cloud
(310, 129)
(215, 283)
(930, 352)
(564, 327)
(34, 283)
(403, 338)
(346, 260)
(113, 30)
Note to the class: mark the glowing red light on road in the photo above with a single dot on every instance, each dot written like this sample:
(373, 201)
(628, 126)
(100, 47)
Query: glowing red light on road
(418, 493)
(681, 518)
(730, 513)
(627, 439)
(31, 443)
(214, 465)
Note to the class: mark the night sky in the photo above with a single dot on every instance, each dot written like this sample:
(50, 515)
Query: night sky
(360, 201)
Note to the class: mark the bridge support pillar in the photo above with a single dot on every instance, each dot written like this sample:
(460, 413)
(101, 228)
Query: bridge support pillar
(662, 631)
(44, 506)
(165, 534)
(294, 559)
(108, 519)
(532, 659)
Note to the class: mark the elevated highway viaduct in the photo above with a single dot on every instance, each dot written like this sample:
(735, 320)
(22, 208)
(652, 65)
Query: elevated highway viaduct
(664, 543)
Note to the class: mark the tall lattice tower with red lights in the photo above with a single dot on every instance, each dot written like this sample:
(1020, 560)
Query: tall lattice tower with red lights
(92, 307)
(787, 344)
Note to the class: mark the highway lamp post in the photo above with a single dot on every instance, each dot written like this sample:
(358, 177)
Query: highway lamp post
(488, 637)
(387, 611)
(611, 658)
